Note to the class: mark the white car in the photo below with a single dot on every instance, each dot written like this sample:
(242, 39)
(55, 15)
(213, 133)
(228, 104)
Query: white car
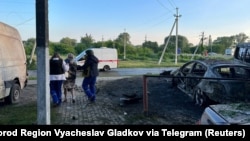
(226, 114)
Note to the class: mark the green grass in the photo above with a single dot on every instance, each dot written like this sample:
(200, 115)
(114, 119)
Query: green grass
(14, 114)
(145, 64)
(21, 115)
(32, 78)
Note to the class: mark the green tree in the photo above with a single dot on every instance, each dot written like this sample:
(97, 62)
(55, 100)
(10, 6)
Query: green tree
(28, 45)
(80, 47)
(87, 40)
(122, 40)
(241, 37)
(151, 45)
(68, 41)
(221, 43)
(183, 43)
(61, 48)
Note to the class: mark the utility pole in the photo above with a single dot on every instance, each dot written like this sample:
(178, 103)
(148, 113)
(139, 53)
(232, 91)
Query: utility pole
(176, 47)
(210, 43)
(124, 36)
(201, 44)
(176, 41)
(42, 36)
(202, 40)
(102, 41)
(162, 54)
(113, 43)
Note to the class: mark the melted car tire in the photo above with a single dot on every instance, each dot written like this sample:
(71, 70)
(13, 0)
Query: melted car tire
(199, 97)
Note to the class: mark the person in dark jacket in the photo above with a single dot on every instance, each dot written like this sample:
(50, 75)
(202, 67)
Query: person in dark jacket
(57, 69)
(89, 81)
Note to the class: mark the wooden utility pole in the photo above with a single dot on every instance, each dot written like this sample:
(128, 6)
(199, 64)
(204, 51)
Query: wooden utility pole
(43, 94)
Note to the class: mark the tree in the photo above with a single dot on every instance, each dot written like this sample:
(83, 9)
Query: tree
(87, 40)
(61, 48)
(122, 40)
(241, 37)
(80, 47)
(221, 43)
(68, 41)
(28, 45)
(151, 45)
(182, 43)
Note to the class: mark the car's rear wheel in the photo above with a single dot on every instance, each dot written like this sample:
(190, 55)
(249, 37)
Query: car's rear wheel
(14, 95)
(199, 97)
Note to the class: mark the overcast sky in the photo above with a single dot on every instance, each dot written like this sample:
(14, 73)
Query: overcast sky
(150, 20)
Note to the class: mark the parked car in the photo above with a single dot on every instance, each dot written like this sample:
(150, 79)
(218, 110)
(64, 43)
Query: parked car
(211, 80)
(212, 54)
(226, 114)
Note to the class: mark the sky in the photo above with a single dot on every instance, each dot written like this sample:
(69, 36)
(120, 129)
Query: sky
(143, 20)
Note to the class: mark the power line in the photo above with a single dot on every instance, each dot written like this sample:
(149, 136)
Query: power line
(163, 6)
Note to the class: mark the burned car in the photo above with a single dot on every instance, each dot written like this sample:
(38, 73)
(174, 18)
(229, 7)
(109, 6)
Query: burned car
(211, 80)
(226, 114)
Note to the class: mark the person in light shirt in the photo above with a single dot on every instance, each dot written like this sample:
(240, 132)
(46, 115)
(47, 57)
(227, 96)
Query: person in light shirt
(57, 70)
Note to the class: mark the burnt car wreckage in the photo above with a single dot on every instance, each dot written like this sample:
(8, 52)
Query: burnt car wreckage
(230, 113)
(210, 80)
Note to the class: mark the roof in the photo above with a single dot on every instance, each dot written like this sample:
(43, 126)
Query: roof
(243, 45)
(217, 62)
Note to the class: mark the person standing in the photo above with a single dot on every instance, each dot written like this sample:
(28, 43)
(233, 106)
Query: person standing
(91, 66)
(69, 83)
(58, 67)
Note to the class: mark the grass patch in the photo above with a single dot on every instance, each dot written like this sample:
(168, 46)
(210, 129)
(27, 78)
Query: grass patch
(21, 114)
(145, 64)
(32, 78)
(18, 115)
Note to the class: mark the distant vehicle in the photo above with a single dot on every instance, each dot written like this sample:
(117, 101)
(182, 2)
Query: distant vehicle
(219, 81)
(230, 51)
(226, 114)
(108, 58)
(13, 71)
(212, 54)
(242, 53)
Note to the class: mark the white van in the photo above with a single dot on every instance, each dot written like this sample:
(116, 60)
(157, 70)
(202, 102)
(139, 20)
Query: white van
(13, 71)
(108, 58)
(230, 51)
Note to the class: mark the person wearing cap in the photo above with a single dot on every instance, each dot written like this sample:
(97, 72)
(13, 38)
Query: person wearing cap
(69, 83)
(89, 81)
